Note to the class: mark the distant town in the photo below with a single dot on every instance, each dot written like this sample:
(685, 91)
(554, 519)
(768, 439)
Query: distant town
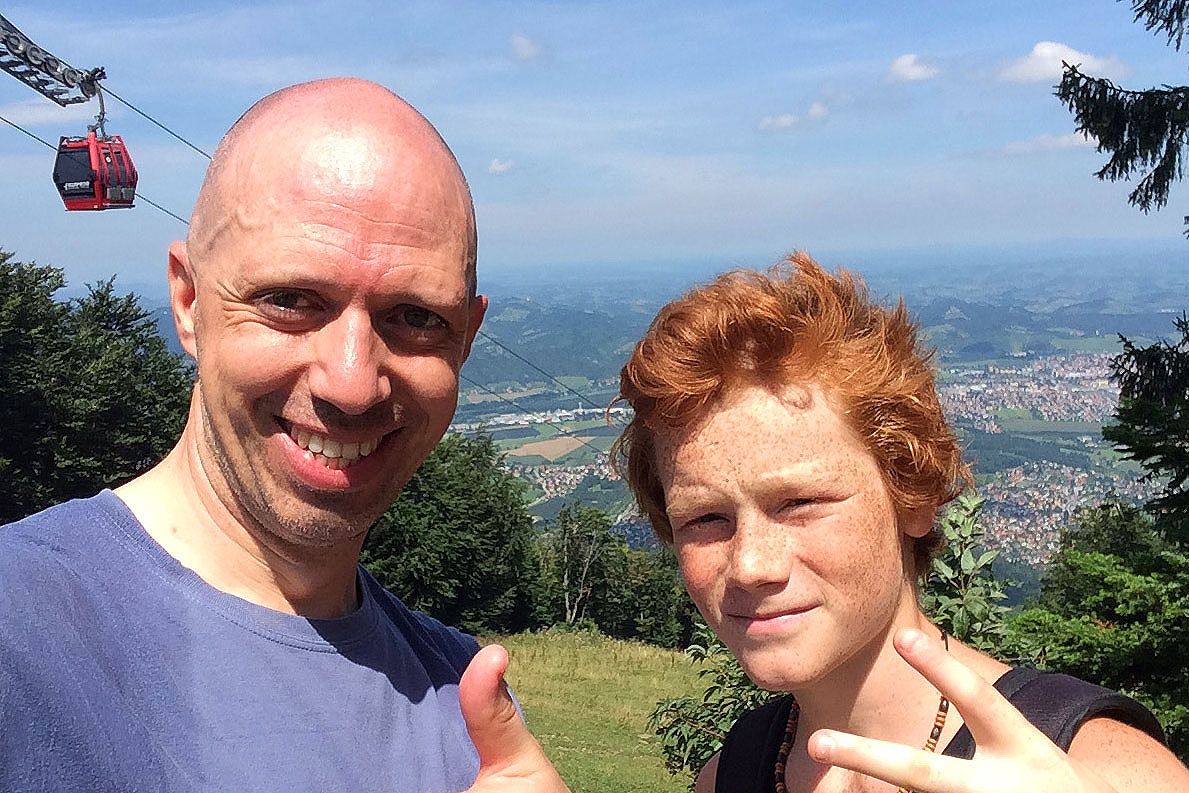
(1066, 396)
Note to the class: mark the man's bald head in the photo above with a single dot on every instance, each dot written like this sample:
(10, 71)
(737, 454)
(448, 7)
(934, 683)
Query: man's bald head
(333, 140)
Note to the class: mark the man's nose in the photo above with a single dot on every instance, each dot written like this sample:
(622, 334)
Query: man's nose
(759, 553)
(348, 367)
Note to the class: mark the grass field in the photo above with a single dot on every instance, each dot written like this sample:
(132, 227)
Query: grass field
(587, 699)
(1029, 426)
(1088, 344)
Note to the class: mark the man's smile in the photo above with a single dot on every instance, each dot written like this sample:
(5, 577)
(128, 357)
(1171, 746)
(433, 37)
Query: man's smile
(329, 451)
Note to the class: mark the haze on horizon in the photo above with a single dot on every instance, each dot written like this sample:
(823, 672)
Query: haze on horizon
(645, 132)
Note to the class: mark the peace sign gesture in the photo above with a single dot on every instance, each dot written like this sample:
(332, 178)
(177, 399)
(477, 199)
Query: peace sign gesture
(1012, 756)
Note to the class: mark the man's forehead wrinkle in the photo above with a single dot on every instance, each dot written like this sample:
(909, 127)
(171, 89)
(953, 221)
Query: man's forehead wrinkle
(344, 264)
(382, 257)
(229, 201)
(430, 227)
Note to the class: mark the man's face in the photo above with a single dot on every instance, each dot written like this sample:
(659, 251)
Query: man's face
(331, 317)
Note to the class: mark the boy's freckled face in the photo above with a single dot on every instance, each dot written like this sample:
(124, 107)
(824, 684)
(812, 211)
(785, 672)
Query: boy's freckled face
(786, 534)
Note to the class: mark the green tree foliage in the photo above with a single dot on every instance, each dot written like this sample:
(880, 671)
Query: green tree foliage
(661, 611)
(591, 579)
(692, 728)
(89, 394)
(458, 543)
(961, 594)
(1114, 609)
(1141, 130)
(581, 562)
(645, 599)
(1153, 423)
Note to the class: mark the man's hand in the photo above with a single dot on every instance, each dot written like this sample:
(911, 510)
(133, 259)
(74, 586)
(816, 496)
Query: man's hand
(1012, 755)
(510, 759)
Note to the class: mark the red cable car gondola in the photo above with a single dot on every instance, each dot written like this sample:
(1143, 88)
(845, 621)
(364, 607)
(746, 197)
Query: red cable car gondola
(91, 172)
(94, 172)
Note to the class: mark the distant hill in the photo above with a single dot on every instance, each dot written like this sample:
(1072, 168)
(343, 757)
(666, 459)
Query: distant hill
(163, 316)
(582, 322)
(562, 340)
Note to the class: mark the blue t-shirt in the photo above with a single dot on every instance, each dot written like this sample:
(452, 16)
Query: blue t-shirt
(122, 670)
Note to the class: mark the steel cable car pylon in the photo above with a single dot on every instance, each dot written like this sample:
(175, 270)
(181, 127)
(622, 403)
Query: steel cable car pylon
(91, 172)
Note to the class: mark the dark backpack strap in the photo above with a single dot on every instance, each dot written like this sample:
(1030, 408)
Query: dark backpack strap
(1058, 705)
(748, 756)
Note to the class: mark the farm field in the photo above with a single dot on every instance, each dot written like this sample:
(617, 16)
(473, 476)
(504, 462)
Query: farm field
(587, 699)
(1026, 426)
(551, 449)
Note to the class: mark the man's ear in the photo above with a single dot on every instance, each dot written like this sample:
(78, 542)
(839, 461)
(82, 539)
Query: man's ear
(477, 310)
(183, 296)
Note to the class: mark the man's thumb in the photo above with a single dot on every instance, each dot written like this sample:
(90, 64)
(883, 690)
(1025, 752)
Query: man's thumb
(500, 736)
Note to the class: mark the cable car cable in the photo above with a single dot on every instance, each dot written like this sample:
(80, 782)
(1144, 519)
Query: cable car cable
(529, 413)
(522, 359)
(19, 128)
(46, 143)
(136, 109)
(153, 203)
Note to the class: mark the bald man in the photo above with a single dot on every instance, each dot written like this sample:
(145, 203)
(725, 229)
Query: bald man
(207, 626)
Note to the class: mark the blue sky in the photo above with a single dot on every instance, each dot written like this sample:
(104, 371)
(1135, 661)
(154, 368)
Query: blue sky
(627, 131)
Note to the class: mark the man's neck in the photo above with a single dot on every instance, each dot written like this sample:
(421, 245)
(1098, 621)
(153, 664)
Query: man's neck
(179, 508)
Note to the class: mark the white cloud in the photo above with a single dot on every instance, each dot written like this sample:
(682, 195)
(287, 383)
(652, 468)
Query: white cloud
(1046, 142)
(909, 68)
(783, 121)
(525, 49)
(500, 166)
(43, 112)
(1043, 64)
(818, 111)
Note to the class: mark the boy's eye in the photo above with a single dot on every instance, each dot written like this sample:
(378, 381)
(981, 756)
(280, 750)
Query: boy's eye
(709, 519)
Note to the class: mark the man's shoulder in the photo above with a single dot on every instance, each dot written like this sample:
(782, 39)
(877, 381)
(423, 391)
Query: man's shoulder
(36, 550)
(423, 633)
(59, 526)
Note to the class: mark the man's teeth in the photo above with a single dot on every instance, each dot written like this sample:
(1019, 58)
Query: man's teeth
(334, 454)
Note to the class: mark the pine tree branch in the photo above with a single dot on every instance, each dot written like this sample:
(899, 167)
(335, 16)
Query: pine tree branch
(1167, 16)
(1142, 130)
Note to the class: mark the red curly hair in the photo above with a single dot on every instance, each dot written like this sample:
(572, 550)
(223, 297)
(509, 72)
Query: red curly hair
(795, 323)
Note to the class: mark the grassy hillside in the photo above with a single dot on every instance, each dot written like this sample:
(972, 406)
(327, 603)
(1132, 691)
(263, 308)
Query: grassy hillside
(587, 699)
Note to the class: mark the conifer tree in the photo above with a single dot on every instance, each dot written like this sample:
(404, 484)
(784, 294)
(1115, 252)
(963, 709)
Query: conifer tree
(1143, 131)
(1153, 423)
(90, 395)
(458, 543)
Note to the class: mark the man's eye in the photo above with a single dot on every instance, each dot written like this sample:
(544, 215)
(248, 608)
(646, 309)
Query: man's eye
(421, 318)
(286, 303)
